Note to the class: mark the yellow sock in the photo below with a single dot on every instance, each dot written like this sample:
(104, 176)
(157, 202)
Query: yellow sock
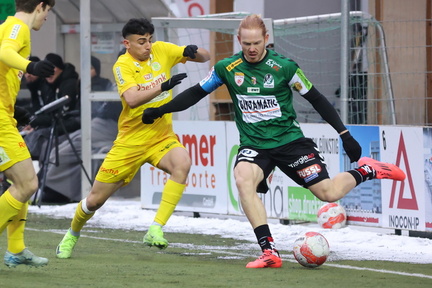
(15, 231)
(9, 208)
(171, 195)
(80, 218)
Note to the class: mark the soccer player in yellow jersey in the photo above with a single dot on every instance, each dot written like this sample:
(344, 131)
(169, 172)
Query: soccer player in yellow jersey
(144, 80)
(15, 160)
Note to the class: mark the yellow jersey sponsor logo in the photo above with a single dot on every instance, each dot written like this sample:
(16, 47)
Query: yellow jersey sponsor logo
(4, 157)
(168, 146)
(149, 85)
(15, 30)
(119, 75)
(109, 171)
(156, 66)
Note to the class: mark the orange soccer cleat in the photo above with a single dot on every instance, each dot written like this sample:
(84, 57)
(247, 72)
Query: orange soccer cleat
(383, 170)
(269, 259)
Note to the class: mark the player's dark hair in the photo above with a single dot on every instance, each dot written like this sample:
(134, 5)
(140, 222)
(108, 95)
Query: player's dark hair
(137, 26)
(28, 6)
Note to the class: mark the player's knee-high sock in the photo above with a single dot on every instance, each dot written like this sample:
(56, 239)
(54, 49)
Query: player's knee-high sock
(362, 174)
(171, 195)
(15, 231)
(264, 237)
(9, 208)
(82, 215)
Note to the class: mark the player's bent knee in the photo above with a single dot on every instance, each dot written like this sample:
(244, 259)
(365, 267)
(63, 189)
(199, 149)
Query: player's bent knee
(33, 185)
(27, 189)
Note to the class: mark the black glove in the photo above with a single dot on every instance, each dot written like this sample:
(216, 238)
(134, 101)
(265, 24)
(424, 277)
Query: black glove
(22, 116)
(190, 51)
(351, 147)
(150, 114)
(42, 68)
(173, 81)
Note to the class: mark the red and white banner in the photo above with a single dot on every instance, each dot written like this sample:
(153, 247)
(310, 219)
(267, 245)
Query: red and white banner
(404, 201)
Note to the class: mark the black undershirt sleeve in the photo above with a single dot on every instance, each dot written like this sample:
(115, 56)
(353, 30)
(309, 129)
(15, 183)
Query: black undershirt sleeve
(325, 109)
(184, 100)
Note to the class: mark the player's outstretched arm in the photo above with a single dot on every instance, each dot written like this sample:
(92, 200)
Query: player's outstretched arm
(181, 102)
(329, 114)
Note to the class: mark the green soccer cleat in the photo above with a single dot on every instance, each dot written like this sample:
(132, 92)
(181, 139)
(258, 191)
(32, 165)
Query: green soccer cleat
(154, 237)
(66, 246)
(25, 257)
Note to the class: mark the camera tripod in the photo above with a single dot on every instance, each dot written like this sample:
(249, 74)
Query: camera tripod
(53, 142)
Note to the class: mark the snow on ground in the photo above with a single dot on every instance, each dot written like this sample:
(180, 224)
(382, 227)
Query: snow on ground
(348, 243)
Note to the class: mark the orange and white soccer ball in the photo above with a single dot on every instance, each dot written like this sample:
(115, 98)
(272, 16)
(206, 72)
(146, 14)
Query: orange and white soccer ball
(311, 250)
(332, 216)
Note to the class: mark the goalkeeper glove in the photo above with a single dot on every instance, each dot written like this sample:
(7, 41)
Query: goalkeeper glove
(173, 81)
(190, 51)
(42, 68)
(351, 147)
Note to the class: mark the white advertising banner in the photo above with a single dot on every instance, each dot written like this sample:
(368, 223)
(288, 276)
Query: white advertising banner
(213, 146)
(403, 201)
(206, 184)
(427, 160)
(275, 200)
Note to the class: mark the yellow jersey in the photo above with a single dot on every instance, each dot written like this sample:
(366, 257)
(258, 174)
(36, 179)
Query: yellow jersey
(14, 34)
(129, 72)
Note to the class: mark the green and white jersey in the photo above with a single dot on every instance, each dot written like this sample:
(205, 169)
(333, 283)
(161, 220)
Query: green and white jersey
(262, 97)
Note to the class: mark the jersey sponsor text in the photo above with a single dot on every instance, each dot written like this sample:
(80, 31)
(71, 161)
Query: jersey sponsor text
(258, 108)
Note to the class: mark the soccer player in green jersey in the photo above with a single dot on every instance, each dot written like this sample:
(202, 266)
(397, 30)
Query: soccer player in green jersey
(260, 82)
(15, 159)
(143, 78)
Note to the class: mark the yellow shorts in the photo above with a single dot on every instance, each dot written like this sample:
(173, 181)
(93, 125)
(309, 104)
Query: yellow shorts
(123, 161)
(13, 148)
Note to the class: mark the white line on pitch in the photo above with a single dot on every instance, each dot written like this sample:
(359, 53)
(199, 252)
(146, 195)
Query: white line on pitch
(202, 247)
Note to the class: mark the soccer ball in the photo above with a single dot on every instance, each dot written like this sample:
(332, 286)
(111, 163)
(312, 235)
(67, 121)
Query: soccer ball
(311, 250)
(332, 216)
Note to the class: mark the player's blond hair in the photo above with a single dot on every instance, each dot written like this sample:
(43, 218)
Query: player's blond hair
(253, 21)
